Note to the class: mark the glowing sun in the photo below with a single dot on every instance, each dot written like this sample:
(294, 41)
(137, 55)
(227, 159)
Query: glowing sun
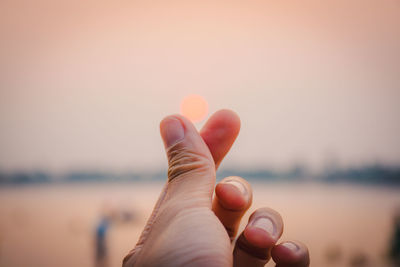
(194, 107)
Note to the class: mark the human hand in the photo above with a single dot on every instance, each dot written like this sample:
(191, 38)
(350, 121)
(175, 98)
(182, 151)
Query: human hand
(188, 227)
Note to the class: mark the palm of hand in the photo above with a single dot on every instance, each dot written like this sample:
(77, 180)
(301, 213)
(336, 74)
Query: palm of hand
(190, 241)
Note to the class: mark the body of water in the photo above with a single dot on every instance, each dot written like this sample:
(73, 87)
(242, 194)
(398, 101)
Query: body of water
(54, 225)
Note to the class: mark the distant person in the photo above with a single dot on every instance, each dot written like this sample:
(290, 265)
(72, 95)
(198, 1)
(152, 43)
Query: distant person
(359, 259)
(188, 227)
(394, 250)
(102, 227)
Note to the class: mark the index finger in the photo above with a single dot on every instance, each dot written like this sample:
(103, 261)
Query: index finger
(219, 133)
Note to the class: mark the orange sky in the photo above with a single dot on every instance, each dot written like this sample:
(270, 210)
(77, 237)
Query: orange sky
(85, 83)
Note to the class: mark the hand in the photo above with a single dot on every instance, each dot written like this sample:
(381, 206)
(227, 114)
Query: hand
(190, 228)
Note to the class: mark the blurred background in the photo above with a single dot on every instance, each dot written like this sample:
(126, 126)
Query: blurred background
(84, 85)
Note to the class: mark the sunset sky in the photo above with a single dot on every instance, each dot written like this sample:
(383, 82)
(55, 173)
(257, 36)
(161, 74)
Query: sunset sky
(84, 84)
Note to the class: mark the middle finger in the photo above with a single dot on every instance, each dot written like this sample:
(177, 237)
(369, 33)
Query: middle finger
(233, 197)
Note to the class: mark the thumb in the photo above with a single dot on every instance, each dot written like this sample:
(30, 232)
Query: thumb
(191, 168)
(191, 177)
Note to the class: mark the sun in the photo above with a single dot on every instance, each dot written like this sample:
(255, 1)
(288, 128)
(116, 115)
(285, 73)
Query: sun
(194, 107)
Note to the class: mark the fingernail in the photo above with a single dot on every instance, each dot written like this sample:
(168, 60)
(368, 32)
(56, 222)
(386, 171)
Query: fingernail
(172, 131)
(291, 246)
(238, 185)
(265, 224)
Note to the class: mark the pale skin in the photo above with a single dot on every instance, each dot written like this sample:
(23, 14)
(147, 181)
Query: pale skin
(190, 227)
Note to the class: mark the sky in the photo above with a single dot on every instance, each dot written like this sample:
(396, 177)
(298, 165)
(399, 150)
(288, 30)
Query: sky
(84, 84)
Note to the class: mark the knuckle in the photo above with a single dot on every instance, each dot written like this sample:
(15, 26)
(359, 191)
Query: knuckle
(183, 161)
(130, 258)
(126, 260)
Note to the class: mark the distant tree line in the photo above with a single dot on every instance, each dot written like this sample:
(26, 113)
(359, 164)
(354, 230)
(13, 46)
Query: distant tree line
(375, 174)
(371, 174)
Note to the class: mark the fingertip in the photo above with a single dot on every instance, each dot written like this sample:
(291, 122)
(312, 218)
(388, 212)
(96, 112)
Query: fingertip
(227, 116)
(230, 198)
(258, 237)
(175, 128)
(264, 228)
(182, 119)
(291, 253)
(234, 193)
(254, 245)
(172, 130)
(223, 124)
